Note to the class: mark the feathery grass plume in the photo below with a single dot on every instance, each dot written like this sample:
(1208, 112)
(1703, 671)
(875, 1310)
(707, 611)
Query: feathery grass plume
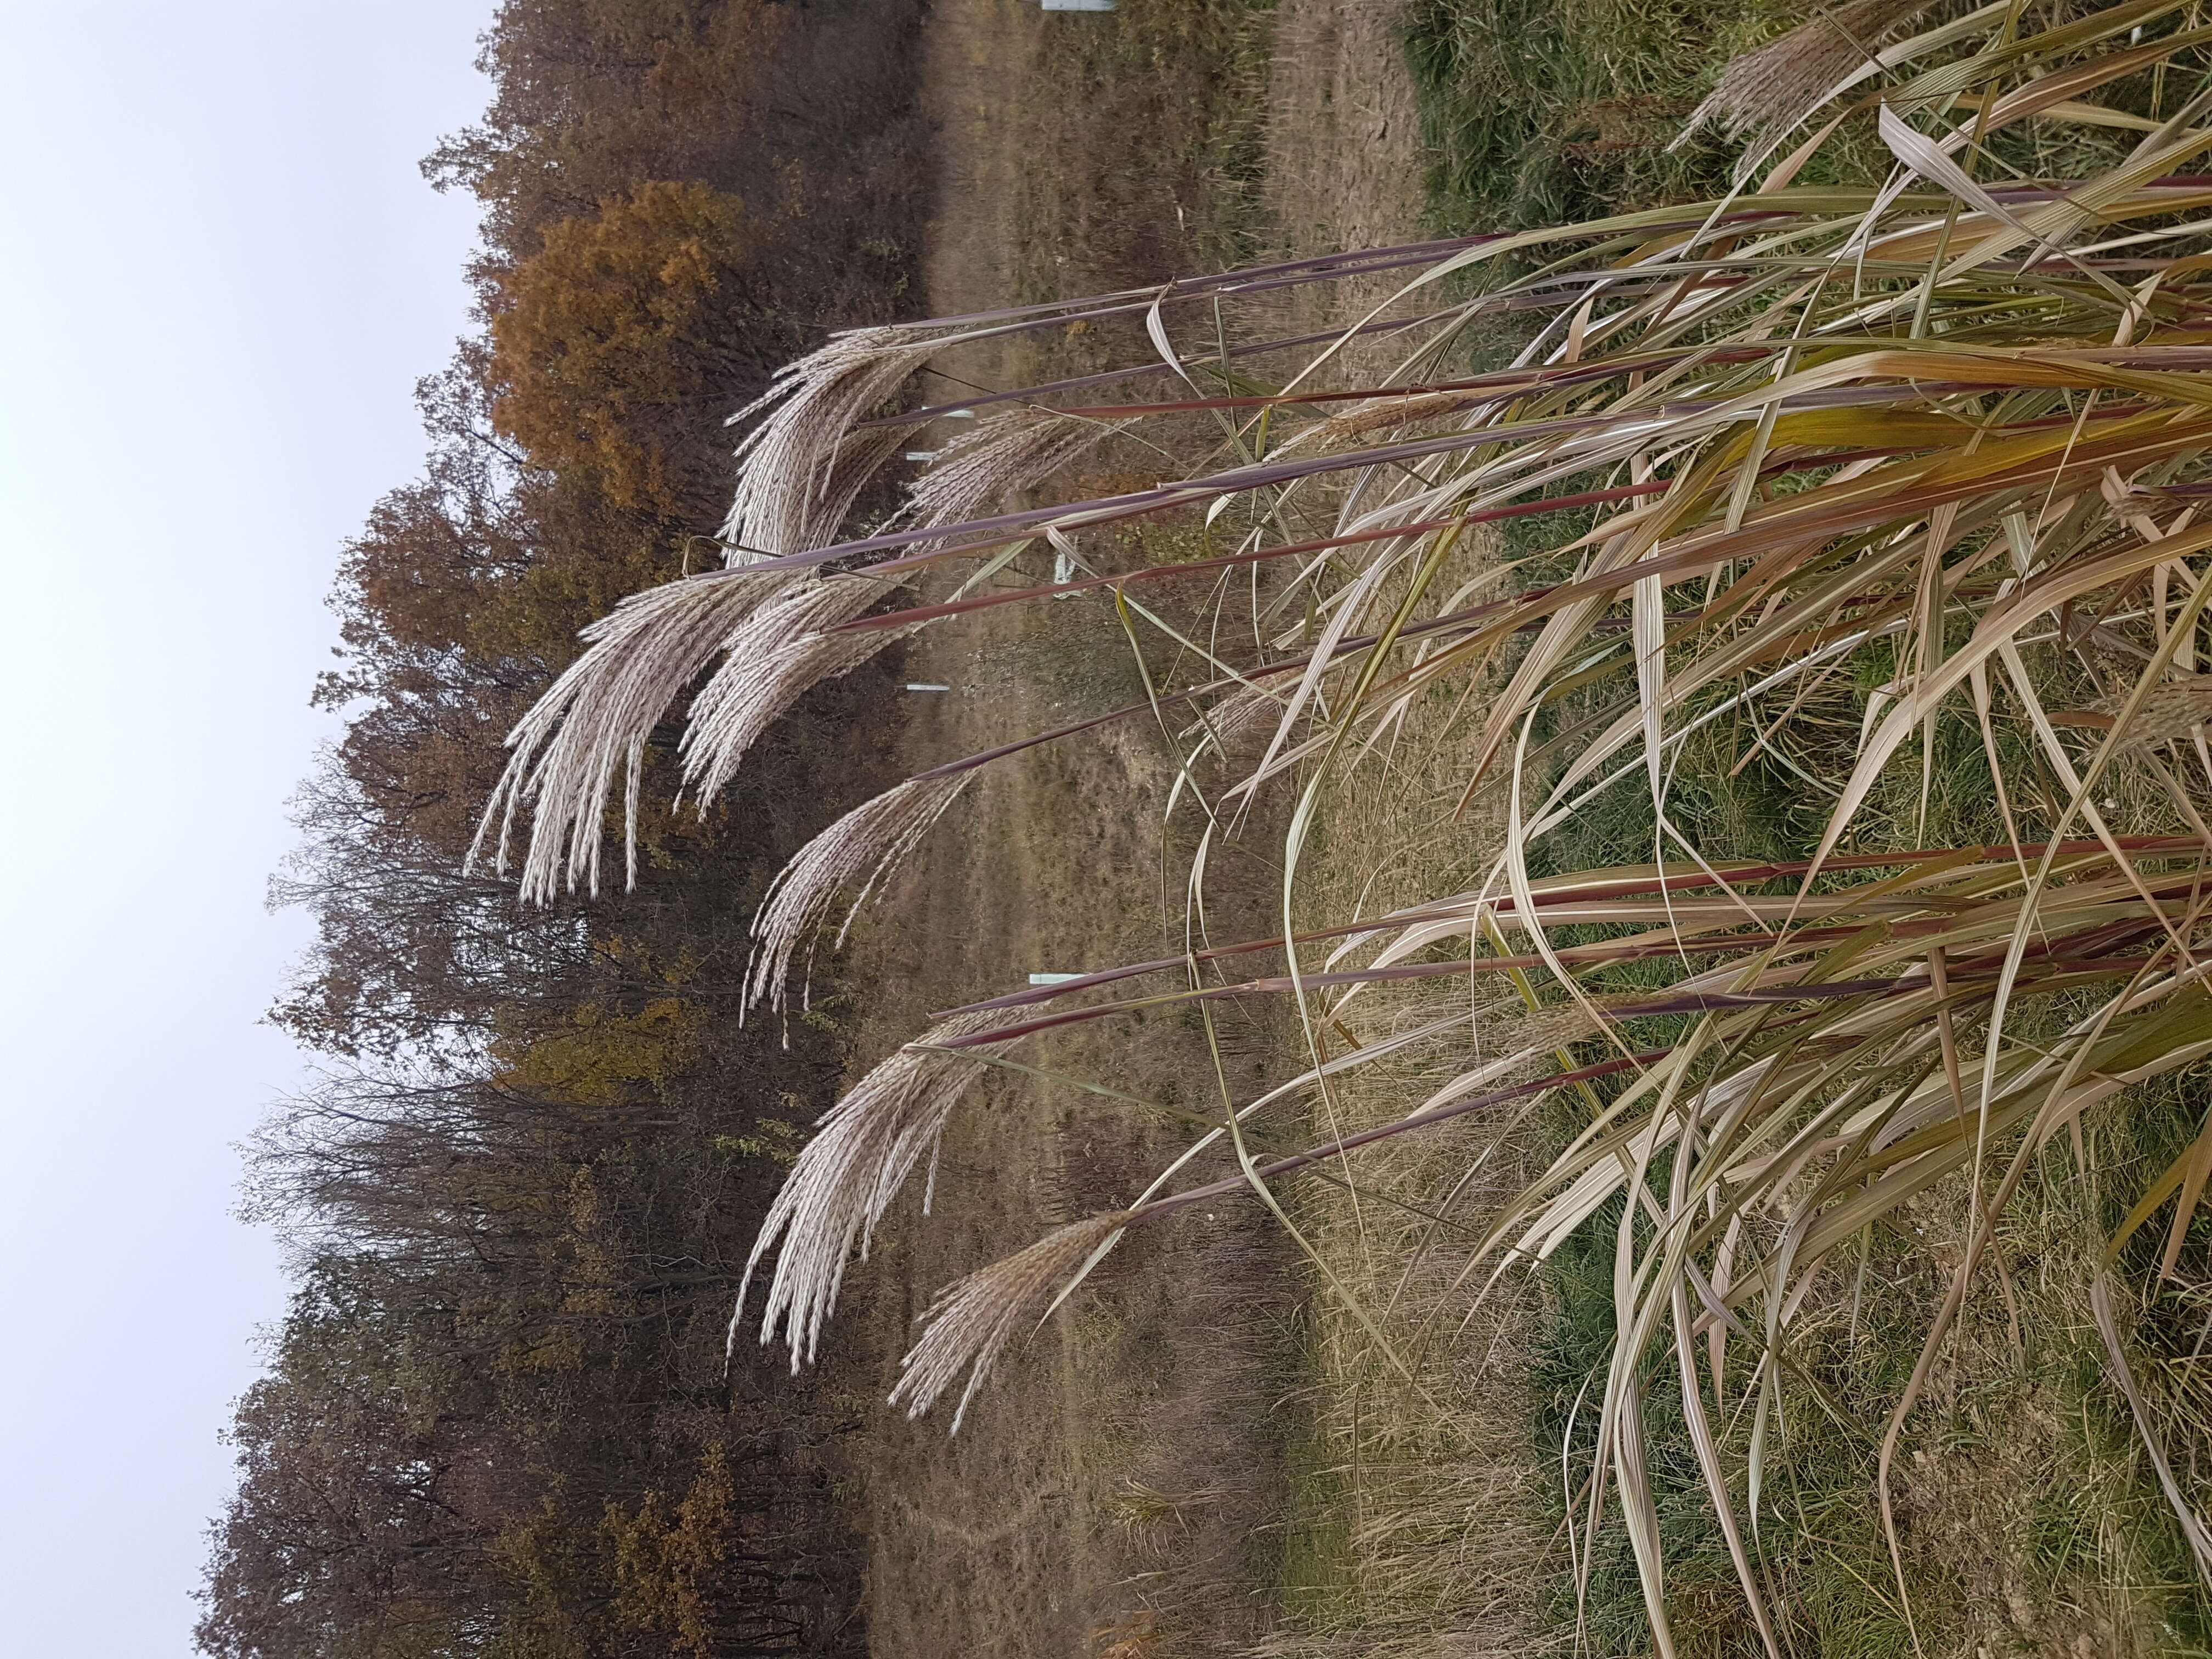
(967, 1326)
(750, 694)
(1388, 414)
(771, 660)
(858, 850)
(1005, 455)
(1777, 85)
(846, 1176)
(1242, 715)
(594, 722)
(2172, 711)
(783, 648)
(799, 469)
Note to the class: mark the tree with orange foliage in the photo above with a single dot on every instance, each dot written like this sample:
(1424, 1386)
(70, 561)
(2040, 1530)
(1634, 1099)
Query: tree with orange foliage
(626, 330)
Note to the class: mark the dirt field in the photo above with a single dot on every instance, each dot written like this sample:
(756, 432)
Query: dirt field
(1344, 156)
(1118, 1488)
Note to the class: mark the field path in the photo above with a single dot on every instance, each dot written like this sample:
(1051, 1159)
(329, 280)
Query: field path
(1024, 1537)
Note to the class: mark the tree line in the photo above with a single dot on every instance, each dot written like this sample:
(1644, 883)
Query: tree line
(496, 1419)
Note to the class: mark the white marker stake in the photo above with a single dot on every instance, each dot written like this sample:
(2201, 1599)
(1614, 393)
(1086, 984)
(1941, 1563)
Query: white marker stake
(921, 454)
(918, 685)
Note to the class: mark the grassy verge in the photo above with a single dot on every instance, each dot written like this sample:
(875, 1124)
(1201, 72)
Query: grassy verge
(2030, 1519)
(1537, 112)
(2027, 1509)
(1428, 1512)
(1143, 146)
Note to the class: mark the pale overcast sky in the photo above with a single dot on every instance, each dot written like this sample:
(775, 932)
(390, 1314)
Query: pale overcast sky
(221, 276)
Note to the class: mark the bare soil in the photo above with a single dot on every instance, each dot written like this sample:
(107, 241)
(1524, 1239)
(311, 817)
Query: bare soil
(1344, 151)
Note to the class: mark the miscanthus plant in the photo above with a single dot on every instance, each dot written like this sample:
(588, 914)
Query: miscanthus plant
(1937, 440)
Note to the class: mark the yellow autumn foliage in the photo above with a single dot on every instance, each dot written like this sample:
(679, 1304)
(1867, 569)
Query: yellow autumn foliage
(600, 1057)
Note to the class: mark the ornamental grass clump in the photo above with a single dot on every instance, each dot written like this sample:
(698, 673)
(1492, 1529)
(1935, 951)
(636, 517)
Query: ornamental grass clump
(1866, 483)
